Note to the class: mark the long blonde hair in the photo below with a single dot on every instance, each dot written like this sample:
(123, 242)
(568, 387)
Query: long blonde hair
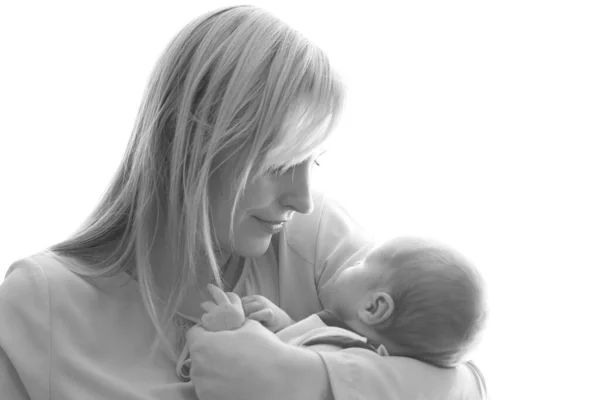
(222, 90)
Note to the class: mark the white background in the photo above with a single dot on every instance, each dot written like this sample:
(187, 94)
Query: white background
(472, 122)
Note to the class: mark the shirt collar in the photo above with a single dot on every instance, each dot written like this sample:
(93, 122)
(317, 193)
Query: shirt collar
(330, 319)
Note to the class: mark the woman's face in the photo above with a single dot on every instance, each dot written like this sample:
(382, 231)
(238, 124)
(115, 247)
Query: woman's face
(268, 202)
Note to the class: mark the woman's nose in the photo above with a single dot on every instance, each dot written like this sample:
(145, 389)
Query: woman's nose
(297, 190)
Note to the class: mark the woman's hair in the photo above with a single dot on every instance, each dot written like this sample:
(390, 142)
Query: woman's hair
(439, 306)
(223, 93)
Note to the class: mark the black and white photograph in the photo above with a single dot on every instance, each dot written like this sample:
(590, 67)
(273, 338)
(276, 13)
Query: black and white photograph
(299, 200)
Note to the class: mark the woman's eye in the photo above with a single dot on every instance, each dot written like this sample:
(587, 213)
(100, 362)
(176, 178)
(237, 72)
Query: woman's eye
(278, 170)
(283, 169)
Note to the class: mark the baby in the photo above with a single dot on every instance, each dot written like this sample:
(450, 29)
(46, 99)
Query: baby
(409, 297)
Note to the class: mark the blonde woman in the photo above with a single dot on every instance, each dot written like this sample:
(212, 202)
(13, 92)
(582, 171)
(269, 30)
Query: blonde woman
(214, 187)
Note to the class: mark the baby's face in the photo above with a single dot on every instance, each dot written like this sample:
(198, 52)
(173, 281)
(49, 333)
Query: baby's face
(352, 284)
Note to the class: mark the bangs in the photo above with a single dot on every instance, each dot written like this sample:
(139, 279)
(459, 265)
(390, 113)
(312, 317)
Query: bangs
(309, 120)
(282, 101)
(300, 138)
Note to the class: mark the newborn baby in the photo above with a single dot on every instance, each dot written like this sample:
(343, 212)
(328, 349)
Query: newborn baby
(409, 297)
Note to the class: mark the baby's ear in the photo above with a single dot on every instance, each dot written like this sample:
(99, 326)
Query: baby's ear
(377, 308)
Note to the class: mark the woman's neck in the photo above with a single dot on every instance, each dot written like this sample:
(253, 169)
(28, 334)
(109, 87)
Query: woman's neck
(165, 268)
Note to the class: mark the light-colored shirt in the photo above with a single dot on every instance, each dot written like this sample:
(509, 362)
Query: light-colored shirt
(314, 333)
(67, 337)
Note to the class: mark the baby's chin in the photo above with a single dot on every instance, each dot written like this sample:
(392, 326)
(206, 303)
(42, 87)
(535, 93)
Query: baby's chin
(335, 289)
(327, 295)
(338, 307)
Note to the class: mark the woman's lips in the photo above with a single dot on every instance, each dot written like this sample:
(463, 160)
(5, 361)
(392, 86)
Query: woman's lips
(271, 227)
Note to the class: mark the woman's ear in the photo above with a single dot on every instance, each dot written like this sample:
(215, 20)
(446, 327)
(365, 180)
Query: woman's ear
(377, 308)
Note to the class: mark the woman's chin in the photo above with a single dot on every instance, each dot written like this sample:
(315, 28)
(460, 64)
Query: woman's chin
(254, 248)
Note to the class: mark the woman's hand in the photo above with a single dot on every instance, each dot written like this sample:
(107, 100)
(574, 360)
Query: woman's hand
(251, 363)
(225, 313)
(261, 309)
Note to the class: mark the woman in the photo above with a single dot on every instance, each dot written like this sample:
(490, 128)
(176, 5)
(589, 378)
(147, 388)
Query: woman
(235, 114)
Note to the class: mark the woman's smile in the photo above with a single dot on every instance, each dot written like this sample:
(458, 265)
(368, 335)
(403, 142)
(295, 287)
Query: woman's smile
(271, 227)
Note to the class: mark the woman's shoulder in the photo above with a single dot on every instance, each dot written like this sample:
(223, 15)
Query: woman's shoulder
(27, 277)
(46, 277)
(35, 271)
(25, 301)
(26, 328)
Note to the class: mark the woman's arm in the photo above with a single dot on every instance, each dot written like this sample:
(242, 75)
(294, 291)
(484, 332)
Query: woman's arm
(252, 363)
(361, 374)
(11, 386)
(24, 333)
(221, 346)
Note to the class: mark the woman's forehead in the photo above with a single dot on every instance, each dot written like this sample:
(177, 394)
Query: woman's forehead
(292, 155)
(302, 135)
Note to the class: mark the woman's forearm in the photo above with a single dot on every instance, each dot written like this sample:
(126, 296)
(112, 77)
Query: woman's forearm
(359, 373)
(306, 376)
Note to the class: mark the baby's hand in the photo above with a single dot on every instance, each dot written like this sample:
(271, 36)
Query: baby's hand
(225, 313)
(260, 309)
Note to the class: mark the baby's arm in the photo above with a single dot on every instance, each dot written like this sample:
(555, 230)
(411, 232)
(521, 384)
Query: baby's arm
(228, 312)
(225, 313)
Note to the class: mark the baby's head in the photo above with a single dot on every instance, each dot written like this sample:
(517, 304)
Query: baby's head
(419, 298)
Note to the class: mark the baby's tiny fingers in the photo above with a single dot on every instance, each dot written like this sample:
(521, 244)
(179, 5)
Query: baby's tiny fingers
(234, 298)
(251, 308)
(264, 315)
(250, 299)
(218, 294)
(208, 306)
(207, 321)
